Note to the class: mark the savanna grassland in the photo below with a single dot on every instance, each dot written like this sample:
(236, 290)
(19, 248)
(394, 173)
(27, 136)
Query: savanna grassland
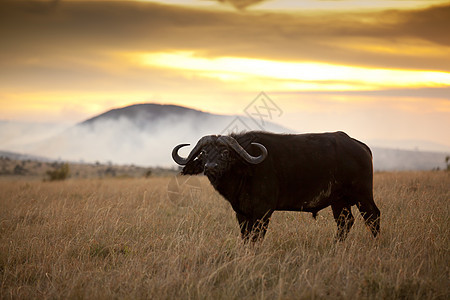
(124, 238)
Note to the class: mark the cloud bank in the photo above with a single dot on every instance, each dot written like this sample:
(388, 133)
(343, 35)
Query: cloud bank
(95, 28)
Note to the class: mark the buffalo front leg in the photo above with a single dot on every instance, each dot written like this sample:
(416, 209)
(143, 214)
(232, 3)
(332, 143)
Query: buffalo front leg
(371, 215)
(246, 225)
(344, 219)
(253, 229)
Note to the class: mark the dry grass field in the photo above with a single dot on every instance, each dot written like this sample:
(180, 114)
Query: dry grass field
(124, 238)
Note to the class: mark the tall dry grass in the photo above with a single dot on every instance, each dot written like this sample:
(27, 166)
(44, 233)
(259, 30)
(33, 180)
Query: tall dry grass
(123, 238)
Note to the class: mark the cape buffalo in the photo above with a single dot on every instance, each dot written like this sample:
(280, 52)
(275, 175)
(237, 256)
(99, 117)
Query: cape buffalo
(260, 172)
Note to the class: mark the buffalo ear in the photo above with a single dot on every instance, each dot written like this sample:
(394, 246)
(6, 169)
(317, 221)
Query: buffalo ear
(193, 167)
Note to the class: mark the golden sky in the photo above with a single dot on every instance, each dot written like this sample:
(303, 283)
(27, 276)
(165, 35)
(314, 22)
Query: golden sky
(371, 68)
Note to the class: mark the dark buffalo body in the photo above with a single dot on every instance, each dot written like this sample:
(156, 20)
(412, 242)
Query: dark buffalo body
(304, 172)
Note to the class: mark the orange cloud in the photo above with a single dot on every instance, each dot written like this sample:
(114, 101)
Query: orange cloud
(293, 75)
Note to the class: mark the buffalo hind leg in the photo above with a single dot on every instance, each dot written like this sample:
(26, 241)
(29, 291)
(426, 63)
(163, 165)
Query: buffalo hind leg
(253, 229)
(371, 215)
(344, 219)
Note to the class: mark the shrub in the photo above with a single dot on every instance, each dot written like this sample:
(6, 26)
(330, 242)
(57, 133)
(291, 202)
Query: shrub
(60, 173)
(20, 170)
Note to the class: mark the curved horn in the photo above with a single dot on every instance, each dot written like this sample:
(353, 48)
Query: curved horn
(228, 140)
(178, 159)
(200, 144)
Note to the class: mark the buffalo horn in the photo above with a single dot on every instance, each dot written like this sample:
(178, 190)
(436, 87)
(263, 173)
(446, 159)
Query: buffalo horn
(228, 140)
(200, 144)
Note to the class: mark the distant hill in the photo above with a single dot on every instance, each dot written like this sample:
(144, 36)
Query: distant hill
(142, 134)
(145, 115)
(145, 134)
(149, 115)
(13, 164)
(385, 159)
(20, 156)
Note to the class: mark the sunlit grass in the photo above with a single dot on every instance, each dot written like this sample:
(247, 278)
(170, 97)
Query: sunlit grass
(123, 238)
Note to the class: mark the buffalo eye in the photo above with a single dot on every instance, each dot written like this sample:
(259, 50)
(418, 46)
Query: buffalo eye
(225, 153)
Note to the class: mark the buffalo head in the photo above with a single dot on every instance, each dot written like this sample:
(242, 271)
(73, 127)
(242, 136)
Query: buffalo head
(215, 155)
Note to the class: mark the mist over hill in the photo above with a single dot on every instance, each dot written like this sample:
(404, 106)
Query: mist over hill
(145, 134)
(142, 134)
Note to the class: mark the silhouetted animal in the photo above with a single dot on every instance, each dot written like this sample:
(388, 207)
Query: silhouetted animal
(260, 172)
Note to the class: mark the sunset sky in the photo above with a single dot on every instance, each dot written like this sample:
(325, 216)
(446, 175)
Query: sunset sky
(379, 70)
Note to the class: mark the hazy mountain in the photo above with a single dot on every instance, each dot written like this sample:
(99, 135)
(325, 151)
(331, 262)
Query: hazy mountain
(21, 156)
(147, 115)
(145, 134)
(385, 159)
(414, 145)
(17, 136)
